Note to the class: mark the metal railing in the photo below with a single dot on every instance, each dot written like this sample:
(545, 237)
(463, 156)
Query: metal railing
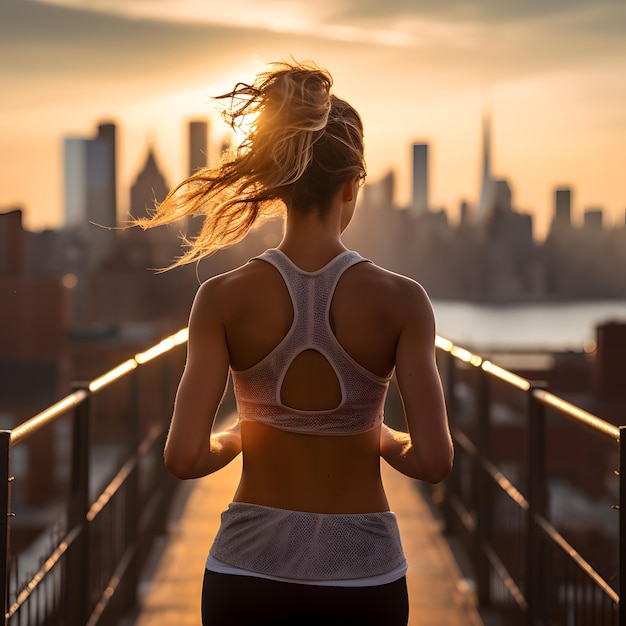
(526, 569)
(107, 499)
(517, 445)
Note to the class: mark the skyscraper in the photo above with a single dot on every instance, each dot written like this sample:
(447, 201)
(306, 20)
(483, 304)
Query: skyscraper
(420, 178)
(563, 206)
(593, 219)
(198, 158)
(75, 181)
(12, 243)
(108, 171)
(381, 193)
(90, 190)
(198, 145)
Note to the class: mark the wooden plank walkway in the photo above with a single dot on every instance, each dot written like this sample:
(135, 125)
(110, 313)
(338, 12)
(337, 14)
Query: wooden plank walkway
(438, 594)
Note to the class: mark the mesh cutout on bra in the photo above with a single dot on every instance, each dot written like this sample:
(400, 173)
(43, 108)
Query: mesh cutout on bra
(258, 388)
(296, 390)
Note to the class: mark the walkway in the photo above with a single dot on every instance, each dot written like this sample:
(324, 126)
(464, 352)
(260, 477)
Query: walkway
(438, 594)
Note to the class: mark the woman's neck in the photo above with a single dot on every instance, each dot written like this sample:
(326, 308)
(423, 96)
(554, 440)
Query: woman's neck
(311, 241)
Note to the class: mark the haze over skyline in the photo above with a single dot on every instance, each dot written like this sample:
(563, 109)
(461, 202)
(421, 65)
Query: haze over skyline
(552, 75)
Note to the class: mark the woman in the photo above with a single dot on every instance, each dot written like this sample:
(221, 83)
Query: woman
(312, 334)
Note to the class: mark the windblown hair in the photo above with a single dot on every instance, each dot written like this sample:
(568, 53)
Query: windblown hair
(302, 145)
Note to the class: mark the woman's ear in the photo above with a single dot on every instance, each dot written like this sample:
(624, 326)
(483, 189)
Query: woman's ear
(348, 190)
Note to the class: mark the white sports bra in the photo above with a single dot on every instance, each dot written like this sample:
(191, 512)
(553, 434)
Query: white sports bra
(258, 388)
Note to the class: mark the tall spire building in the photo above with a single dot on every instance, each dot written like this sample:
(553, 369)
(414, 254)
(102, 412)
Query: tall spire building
(487, 186)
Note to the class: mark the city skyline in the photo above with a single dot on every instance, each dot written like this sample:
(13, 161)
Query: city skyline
(551, 78)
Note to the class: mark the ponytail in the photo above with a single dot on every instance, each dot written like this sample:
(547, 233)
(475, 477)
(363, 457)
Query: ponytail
(301, 145)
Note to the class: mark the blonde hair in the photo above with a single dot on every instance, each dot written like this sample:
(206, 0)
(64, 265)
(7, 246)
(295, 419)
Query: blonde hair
(302, 144)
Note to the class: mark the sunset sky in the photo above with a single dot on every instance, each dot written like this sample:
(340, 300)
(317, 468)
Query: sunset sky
(551, 73)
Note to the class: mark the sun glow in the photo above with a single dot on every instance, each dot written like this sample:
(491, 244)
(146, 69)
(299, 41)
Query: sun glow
(160, 122)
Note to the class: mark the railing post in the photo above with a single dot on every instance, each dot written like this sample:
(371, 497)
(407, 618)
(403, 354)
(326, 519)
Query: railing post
(483, 488)
(622, 526)
(78, 572)
(449, 381)
(132, 504)
(5, 512)
(451, 486)
(537, 506)
(170, 377)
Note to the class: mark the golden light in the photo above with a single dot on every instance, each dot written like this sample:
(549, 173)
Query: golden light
(461, 353)
(590, 346)
(181, 336)
(476, 360)
(167, 344)
(444, 344)
(509, 377)
(69, 281)
(112, 375)
(458, 352)
(143, 117)
(155, 351)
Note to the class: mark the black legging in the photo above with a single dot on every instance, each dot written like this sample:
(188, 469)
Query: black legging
(229, 600)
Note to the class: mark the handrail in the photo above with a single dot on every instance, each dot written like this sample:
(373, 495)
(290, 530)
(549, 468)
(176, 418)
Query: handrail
(521, 562)
(28, 428)
(565, 408)
(79, 402)
(31, 426)
(114, 513)
(578, 414)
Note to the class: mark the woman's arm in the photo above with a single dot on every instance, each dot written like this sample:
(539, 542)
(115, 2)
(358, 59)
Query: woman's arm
(426, 452)
(190, 450)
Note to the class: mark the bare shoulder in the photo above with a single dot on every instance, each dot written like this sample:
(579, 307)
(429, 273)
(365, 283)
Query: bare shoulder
(401, 294)
(224, 292)
(235, 278)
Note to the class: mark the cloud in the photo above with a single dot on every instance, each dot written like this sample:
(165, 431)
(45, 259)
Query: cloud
(62, 46)
(114, 39)
(487, 11)
(52, 53)
(396, 23)
(35, 36)
(488, 37)
(274, 16)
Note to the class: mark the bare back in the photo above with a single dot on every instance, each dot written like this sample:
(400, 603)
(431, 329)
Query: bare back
(312, 472)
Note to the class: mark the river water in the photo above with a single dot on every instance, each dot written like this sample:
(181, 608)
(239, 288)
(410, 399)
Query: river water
(536, 326)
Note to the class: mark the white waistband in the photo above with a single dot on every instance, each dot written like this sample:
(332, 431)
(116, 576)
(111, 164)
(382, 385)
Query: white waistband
(296, 545)
(213, 565)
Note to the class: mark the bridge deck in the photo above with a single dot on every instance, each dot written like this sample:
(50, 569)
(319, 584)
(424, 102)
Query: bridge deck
(439, 596)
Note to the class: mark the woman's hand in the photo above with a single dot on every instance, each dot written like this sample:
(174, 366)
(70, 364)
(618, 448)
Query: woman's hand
(396, 448)
(226, 445)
